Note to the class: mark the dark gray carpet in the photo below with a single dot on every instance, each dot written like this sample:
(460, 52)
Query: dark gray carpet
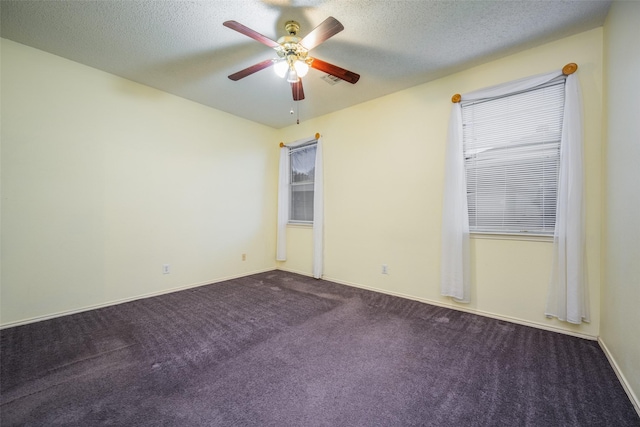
(279, 349)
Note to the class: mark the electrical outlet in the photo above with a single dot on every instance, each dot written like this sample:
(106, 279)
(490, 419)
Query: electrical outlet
(166, 269)
(385, 269)
(244, 257)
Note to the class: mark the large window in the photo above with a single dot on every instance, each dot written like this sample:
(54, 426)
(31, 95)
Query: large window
(512, 150)
(301, 184)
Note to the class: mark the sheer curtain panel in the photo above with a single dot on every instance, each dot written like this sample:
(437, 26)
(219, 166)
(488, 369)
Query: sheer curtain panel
(283, 205)
(318, 215)
(455, 267)
(568, 297)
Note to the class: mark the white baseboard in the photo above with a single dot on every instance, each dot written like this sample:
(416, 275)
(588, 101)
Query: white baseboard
(454, 307)
(302, 273)
(469, 310)
(123, 300)
(623, 380)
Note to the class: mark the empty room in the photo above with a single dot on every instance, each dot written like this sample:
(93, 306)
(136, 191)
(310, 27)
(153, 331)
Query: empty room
(320, 213)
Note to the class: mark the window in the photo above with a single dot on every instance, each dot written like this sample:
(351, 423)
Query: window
(301, 183)
(512, 151)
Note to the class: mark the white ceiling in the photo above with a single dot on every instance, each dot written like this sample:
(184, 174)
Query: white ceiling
(182, 48)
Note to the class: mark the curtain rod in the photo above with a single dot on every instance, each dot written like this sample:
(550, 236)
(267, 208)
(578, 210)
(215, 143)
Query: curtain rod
(317, 137)
(568, 69)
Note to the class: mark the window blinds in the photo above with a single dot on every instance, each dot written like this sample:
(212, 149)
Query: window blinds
(512, 152)
(302, 169)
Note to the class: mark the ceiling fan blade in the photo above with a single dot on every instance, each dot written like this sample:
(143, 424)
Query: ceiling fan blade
(334, 70)
(250, 70)
(251, 33)
(328, 28)
(298, 92)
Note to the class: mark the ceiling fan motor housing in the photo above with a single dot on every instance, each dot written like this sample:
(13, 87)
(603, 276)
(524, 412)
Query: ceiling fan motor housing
(292, 28)
(290, 47)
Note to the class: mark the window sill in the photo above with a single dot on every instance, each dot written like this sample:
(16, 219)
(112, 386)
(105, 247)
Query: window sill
(300, 224)
(521, 237)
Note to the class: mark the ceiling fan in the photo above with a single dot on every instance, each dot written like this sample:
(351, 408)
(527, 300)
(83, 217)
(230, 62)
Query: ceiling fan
(293, 60)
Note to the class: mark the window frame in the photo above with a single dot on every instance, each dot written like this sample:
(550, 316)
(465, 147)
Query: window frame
(533, 233)
(291, 185)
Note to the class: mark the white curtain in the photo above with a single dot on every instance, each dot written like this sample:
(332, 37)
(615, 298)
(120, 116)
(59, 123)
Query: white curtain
(568, 299)
(455, 268)
(283, 205)
(318, 214)
(568, 289)
(318, 207)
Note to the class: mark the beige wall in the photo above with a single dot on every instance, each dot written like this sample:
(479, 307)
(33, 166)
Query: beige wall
(621, 241)
(383, 183)
(105, 180)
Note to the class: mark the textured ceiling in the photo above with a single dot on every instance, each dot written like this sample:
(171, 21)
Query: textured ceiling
(182, 48)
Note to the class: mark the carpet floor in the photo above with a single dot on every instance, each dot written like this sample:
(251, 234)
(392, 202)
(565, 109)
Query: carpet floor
(280, 349)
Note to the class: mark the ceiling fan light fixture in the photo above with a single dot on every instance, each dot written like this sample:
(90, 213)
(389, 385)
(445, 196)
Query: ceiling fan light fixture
(301, 67)
(280, 68)
(292, 75)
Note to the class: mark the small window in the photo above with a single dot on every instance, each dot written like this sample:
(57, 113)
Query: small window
(512, 152)
(301, 183)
